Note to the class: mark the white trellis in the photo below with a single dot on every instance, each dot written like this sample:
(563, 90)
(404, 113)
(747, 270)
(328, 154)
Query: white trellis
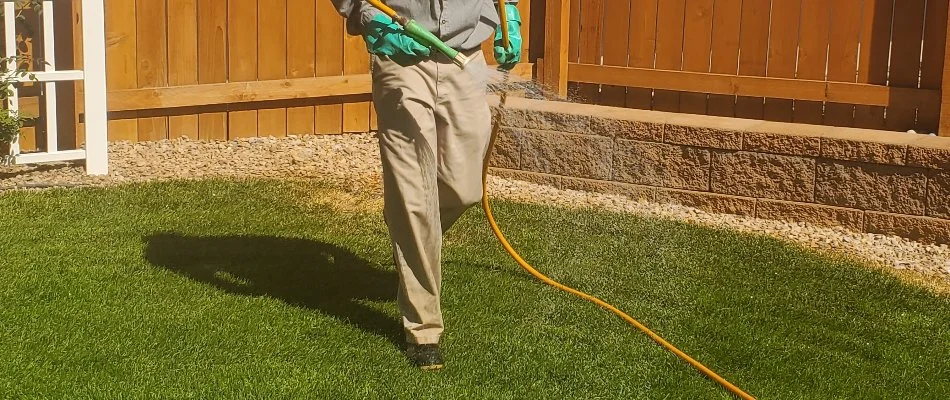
(93, 75)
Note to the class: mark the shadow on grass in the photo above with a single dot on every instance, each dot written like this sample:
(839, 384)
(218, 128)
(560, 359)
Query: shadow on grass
(303, 273)
(28, 169)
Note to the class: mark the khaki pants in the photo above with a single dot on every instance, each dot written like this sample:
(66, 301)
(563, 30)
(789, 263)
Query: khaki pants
(434, 129)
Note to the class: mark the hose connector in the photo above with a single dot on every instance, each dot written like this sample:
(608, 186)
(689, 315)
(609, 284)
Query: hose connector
(424, 36)
(461, 60)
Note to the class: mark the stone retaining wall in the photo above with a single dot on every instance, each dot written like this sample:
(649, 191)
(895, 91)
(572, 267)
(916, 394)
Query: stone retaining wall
(871, 181)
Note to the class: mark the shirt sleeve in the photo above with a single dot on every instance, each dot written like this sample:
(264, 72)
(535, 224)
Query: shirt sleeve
(357, 13)
(345, 7)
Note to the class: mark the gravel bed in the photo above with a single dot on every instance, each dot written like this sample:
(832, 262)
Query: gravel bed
(351, 162)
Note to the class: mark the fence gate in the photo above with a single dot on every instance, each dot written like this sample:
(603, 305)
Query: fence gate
(95, 149)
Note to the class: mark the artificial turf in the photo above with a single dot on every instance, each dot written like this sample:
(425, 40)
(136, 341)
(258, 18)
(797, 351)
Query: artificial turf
(251, 289)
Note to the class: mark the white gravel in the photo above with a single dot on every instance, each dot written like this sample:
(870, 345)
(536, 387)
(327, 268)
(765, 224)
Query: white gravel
(352, 163)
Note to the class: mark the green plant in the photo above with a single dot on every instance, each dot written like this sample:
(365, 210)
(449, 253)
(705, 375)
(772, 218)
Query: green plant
(10, 125)
(23, 5)
(10, 121)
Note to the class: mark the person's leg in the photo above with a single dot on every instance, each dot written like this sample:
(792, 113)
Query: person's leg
(403, 96)
(463, 122)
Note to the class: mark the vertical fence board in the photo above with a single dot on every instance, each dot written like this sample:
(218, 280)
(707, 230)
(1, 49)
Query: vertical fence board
(32, 101)
(121, 65)
(642, 47)
(931, 73)
(212, 62)
(783, 54)
(753, 45)
(68, 56)
(943, 128)
(32, 135)
(843, 56)
(183, 59)
(872, 63)
(487, 50)
(905, 56)
(152, 57)
(272, 61)
(242, 61)
(616, 26)
(524, 8)
(813, 56)
(573, 47)
(79, 62)
(669, 49)
(301, 59)
(373, 118)
(329, 53)
(589, 44)
(697, 40)
(573, 43)
(558, 41)
(725, 52)
(355, 61)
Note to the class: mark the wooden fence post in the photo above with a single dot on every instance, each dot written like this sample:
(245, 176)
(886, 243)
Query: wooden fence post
(556, 25)
(944, 129)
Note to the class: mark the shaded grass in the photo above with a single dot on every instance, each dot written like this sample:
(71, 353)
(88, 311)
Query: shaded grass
(224, 290)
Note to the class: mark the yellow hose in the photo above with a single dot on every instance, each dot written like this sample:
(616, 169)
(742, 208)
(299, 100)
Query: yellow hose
(503, 17)
(514, 254)
(384, 8)
(527, 267)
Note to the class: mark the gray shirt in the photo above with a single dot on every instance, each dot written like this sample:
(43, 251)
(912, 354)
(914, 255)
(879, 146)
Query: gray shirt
(461, 24)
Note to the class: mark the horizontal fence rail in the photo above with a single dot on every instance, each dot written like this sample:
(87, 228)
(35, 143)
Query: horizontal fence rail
(754, 86)
(864, 63)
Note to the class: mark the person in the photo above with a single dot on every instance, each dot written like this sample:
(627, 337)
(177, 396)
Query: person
(434, 128)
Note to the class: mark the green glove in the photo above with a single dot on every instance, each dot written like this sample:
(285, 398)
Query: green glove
(507, 58)
(383, 36)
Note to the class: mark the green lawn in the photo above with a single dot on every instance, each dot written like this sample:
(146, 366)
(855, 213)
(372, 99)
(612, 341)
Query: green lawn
(239, 290)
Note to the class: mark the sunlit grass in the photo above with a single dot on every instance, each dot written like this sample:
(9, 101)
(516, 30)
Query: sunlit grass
(238, 290)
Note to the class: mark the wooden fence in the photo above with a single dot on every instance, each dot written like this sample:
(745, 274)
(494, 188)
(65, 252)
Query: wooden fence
(864, 63)
(220, 69)
(304, 74)
(217, 69)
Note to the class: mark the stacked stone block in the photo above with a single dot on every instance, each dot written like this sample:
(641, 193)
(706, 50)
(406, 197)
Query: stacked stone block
(871, 181)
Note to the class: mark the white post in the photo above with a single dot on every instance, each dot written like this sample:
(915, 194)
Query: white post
(9, 38)
(49, 56)
(94, 68)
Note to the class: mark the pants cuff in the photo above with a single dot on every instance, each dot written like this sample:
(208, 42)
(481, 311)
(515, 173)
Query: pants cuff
(422, 339)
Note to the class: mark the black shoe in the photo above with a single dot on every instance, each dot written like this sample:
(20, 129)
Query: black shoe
(425, 356)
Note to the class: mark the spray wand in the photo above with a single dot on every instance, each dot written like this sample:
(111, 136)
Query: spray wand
(420, 33)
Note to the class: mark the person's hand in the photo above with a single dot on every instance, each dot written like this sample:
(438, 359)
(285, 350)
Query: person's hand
(383, 36)
(508, 57)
